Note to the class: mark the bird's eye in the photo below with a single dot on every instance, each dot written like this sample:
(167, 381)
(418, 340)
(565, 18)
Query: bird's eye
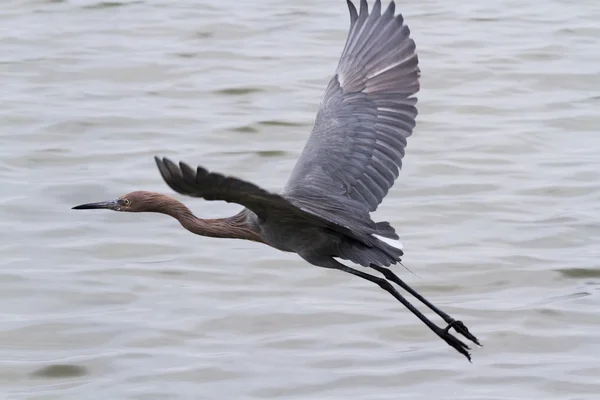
(126, 202)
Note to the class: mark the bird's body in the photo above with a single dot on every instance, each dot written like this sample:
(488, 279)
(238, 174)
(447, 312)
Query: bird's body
(289, 237)
(349, 163)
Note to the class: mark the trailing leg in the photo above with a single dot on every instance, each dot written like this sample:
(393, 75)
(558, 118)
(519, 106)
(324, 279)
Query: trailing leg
(387, 286)
(452, 323)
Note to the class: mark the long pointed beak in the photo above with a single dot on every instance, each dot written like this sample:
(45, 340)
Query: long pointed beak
(109, 205)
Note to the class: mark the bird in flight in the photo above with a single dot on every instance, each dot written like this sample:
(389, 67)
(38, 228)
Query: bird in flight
(349, 163)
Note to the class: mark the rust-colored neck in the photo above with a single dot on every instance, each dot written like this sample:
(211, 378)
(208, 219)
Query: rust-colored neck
(234, 227)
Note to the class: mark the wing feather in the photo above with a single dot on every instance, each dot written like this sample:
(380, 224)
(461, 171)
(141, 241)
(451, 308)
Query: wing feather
(366, 115)
(319, 210)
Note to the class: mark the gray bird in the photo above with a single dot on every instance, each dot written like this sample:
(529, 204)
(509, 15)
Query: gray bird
(349, 163)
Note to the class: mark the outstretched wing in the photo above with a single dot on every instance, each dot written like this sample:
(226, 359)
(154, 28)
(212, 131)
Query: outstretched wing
(357, 144)
(214, 186)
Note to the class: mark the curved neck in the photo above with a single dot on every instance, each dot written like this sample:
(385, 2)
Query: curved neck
(234, 227)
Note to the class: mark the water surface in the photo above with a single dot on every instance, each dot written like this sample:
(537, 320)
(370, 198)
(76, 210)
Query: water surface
(498, 204)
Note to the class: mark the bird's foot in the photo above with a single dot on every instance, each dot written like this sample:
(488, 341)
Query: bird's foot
(462, 329)
(454, 342)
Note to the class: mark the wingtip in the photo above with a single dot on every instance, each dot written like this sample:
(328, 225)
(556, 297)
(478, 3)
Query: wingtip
(167, 168)
(391, 9)
(187, 171)
(353, 12)
(364, 7)
(165, 165)
(168, 163)
(376, 10)
(162, 160)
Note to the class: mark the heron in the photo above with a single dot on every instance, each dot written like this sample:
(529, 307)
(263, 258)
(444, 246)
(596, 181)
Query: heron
(349, 163)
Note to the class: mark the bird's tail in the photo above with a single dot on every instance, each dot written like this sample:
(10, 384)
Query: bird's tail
(386, 230)
(388, 241)
(393, 248)
(381, 254)
(385, 250)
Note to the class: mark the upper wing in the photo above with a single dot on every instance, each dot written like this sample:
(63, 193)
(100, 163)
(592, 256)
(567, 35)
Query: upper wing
(214, 186)
(357, 144)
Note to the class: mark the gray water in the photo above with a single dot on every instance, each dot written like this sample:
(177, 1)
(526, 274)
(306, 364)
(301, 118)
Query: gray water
(498, 204)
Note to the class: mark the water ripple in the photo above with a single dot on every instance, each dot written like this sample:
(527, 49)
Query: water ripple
(497, 205)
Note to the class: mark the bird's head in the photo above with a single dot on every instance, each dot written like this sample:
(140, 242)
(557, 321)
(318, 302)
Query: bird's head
(138, 201)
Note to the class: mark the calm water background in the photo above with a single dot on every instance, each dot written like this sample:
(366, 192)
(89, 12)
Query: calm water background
(498, 204)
